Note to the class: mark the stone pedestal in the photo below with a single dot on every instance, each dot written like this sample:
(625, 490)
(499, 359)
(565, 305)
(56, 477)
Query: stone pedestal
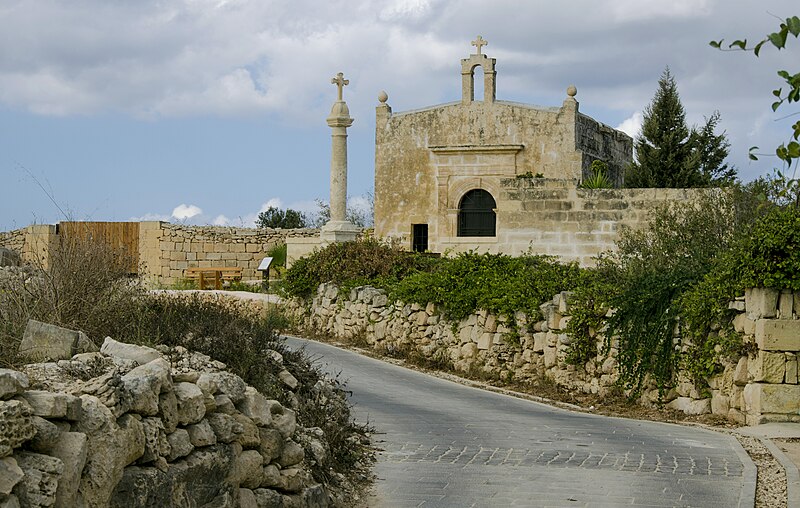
(338, 231)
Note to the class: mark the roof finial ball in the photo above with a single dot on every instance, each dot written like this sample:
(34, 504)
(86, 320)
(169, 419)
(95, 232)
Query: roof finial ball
(383, 97)
(572, 91)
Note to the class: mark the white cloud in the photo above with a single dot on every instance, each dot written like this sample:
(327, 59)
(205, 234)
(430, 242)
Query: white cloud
(272, 202)
(151, 217)
(183, 211)
(221, 220)
(632, 125)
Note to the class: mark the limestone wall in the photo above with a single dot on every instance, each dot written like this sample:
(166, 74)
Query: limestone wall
(598, 141)
(551, 217)
(131, 427)
(13, 240)
(752, 390)
(168, 249)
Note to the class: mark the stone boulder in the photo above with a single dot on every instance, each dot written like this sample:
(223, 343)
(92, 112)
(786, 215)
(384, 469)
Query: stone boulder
(43, 342)
(8, 257)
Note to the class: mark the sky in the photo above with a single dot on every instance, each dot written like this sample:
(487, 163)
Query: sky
(210, 111)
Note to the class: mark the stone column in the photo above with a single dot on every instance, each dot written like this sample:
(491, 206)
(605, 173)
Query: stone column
(338, 229)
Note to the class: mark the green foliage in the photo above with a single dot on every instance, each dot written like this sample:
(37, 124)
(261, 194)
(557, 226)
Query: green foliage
(652, 270)
(599, 178)
(278, 255)
(710, 151)
(365, 261)
(770, 255)
(589, 305)
(495, 282)
(669, 154)
(275, 218)
(359, 217)
(529, 175)
(705, 307)
(788, 152)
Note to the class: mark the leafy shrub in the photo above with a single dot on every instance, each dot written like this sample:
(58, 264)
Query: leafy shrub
(654, 267)
(365, 261)
(766, 255)
(770, 255)
(495, 282)
(599, 178)
(590, 303)
(278, 255)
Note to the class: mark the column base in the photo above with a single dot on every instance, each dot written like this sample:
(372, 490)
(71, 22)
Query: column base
(338, 232)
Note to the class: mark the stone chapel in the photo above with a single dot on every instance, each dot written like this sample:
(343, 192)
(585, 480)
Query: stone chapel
(500, 176)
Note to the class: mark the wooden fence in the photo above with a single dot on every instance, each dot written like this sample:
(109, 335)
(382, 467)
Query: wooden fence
(123, 237)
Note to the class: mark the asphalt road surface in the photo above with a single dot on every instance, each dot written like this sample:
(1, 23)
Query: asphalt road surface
(449, 445)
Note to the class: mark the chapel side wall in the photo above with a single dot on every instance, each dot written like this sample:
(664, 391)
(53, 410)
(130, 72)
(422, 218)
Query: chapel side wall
(575, 224)
(181, 247)
(598, 141)
(538, 216)
(406, 186)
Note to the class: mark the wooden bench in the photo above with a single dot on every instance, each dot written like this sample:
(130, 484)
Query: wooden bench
(215, 273)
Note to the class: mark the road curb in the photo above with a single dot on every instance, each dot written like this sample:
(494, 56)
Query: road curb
(747, 498)
(792, 474)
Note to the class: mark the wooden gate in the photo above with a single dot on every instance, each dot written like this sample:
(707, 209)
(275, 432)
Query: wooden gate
(120, 236)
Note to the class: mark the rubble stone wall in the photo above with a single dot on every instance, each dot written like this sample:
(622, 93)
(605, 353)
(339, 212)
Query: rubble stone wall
(751, 390)
(13, 240)
(131, 426)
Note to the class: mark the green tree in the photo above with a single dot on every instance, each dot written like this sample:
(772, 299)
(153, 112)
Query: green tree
(274, 217)
(710, 151)
(359, 217)
(788, 152)
(670, 154)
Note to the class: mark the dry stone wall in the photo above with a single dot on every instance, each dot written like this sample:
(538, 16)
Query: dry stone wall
(130, 426)
(752, 389)
(13, 240)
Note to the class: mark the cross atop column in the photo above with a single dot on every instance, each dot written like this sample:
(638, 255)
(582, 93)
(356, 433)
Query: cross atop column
(340, 82)
(478, 43)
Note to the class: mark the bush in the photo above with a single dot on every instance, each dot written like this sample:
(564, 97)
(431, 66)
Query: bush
(766, 255)
(590, 303)
(770, 255)
(653, 268)
(495, 282)
(365, 261)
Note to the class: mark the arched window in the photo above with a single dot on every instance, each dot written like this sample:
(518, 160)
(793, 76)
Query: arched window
(476, 215)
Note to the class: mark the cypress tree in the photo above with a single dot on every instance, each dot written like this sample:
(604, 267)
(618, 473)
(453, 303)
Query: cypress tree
(669, 153)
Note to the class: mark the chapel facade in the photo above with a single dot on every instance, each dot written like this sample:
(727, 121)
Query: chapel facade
(483, 174)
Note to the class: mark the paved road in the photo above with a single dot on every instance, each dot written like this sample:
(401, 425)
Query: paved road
(448, 445)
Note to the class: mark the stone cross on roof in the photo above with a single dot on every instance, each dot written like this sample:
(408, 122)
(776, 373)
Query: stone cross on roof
(478, 43)
(340, 82)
